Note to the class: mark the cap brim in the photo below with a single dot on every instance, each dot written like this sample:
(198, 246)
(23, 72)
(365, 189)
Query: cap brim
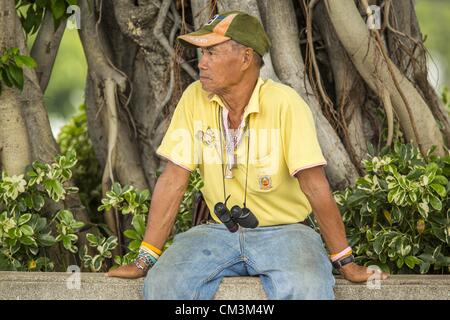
(202, 40)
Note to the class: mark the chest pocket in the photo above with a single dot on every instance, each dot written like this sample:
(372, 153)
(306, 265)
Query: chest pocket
(263, 174)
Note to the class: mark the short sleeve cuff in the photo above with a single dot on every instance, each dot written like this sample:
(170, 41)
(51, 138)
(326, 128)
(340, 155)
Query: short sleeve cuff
(303, 167)
(179, 163)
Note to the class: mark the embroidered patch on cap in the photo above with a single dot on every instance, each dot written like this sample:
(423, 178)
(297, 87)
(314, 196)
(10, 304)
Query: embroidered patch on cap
(216, 17)
(265, 183)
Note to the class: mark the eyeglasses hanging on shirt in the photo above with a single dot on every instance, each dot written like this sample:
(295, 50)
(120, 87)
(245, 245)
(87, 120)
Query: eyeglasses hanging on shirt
(232, 139)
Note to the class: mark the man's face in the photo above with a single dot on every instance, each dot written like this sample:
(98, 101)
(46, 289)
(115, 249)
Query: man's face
(220, 67)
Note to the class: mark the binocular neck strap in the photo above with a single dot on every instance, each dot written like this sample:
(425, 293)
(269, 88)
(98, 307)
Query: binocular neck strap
(246, 128)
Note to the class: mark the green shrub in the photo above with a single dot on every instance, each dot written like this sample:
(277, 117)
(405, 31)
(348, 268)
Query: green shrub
(397, 215)
(87, 174)
(25, 232)
(128, 200)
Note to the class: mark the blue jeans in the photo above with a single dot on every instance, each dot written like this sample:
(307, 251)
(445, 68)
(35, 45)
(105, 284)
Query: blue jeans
(290, 260)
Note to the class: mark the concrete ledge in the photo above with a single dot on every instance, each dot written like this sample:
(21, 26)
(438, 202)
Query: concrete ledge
(93, 286)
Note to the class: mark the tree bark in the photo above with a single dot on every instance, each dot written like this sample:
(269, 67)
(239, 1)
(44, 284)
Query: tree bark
(405, 44)
(379, 71)
(45, 48)
(281, 26)
(15, 148)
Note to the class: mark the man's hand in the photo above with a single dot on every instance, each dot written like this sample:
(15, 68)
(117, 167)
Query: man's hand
(129, 271)
(357, 273)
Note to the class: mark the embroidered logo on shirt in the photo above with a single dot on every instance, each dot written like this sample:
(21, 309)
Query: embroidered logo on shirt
(265, 183)
(207, 137)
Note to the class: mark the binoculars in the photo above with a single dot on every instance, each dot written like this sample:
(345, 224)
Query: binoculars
(238, 217)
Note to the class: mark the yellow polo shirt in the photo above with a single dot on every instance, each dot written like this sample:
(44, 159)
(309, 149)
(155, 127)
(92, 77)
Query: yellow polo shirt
(282, 142)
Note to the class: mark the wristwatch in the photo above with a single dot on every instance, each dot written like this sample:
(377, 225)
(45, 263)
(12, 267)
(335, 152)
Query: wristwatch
(342, 262)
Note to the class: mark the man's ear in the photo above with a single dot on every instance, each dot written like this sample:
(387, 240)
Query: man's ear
(247, 58)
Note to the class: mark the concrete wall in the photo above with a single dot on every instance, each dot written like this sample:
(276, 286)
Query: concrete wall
(65, 286)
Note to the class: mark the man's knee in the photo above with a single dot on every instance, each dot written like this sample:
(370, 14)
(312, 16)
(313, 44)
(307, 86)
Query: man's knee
(310, 288)
(160, 284)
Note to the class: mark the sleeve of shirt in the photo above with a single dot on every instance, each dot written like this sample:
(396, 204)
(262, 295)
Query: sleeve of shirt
(299, 138)
(178, 142)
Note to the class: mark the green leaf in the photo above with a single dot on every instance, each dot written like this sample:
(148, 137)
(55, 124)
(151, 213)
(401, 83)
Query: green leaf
(97, 262)
(6, 77)
(400, 262)
(66, 216)
(439, 189)
(16, 75)
(93, 241)
(118, 260)
(41, 223)
(72, 237)
(116, 188)
(424, 267)
(25, 61)
(139, 224)
(38, 202)
(423, 209)
(66, 242)
(27, 198)
(24, 218)
(435, 202)
(54, 189)
(34, 251)
(27, 230)
(378, 244)
(392, 194)
(111, 243)
(441, 180)
(29, 241)
(134, 245)
(77, 225)
(58, 8)
(131, 234)
(46, 240)
(411, 261)
(144, 196)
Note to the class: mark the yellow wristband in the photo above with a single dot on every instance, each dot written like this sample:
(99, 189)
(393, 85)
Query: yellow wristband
(148, 245)
(150, 252)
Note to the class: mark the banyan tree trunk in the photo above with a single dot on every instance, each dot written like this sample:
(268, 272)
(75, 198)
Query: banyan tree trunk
(25, 132)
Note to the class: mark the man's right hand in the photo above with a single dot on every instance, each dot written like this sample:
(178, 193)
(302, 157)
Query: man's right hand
(129, 271)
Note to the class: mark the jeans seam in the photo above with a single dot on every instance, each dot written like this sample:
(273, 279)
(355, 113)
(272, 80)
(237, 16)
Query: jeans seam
(253, 265)
(241, 241)
(212, 275)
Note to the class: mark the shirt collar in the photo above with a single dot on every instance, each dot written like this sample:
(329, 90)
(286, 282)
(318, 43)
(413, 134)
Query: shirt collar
(253, 103)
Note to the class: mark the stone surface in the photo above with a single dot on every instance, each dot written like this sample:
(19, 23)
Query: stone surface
(66, 286)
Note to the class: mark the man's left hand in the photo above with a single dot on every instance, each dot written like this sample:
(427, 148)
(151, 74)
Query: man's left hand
(357, 273)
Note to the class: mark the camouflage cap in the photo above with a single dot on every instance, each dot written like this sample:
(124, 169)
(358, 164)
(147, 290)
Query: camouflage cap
(238, 26)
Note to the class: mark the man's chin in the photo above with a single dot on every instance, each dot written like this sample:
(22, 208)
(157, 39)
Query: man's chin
(205, 87)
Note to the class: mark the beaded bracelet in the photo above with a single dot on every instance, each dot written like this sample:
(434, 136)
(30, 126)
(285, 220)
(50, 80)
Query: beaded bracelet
(146, 259)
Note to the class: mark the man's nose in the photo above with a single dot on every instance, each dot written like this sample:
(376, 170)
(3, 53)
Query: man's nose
(202, 62)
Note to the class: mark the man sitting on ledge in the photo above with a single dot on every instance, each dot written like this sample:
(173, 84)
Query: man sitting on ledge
(255, 144)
